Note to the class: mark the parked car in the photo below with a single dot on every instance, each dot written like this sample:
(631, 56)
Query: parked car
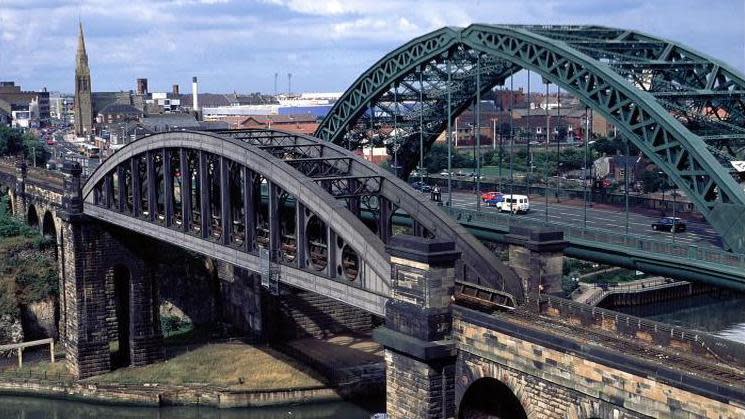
(490, 195)
(669, 224)
(444, 173)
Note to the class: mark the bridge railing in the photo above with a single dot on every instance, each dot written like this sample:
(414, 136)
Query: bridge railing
(723, 350)
(37, 176)
(582, 235)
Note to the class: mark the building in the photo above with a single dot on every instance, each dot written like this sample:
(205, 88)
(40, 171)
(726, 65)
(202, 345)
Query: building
(170, 122)
(301, 124)
(31, 108)
(118, 113)
(83, 97)
(5, 115)
(614, 167)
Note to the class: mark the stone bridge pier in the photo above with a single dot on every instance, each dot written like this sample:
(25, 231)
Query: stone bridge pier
(419, 354)
(109, 296)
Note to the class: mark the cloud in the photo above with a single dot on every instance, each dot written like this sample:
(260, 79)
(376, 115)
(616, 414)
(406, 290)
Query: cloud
(239, 45)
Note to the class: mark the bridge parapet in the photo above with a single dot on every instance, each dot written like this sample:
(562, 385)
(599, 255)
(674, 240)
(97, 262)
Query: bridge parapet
(564, 364)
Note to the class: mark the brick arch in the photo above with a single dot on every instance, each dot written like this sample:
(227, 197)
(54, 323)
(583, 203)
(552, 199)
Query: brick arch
(32, 216)
(484, 392)
(467, 373)
(48, 224)
(12, 201)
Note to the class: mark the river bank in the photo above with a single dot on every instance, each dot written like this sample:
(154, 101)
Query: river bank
(220, 375)
(156, 395)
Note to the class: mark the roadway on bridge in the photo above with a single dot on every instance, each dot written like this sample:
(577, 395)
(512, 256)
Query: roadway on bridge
(602, 217)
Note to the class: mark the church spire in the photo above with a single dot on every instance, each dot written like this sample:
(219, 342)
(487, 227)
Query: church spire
(83, 95)
(82, 56)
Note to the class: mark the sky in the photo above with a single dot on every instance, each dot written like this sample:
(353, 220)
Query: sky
(238, 45)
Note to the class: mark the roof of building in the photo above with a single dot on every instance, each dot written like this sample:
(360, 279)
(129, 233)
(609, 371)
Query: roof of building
(164, 121)
(280, 119)
(205, 100)
(120, 108)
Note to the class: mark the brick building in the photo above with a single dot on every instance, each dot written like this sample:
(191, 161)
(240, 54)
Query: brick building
(300, 123)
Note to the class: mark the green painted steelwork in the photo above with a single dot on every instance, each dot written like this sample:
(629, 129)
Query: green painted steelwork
(683, 110)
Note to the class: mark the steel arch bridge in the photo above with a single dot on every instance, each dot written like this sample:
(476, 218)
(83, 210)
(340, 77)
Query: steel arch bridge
(321, 214)
(685, 111)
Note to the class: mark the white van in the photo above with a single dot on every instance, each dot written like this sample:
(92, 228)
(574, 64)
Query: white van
(514, 203)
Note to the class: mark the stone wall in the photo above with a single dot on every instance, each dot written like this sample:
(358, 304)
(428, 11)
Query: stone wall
(241, 295)
(296, 313)
(551, 383)
(91, 251)
(40, 319)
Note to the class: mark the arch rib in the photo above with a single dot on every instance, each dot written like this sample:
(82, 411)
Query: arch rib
(639, 115)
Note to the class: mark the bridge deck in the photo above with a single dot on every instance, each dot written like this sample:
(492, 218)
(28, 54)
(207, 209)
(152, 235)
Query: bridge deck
(678, 360)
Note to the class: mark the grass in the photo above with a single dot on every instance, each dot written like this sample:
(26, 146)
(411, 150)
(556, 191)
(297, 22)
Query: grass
(234, 365)
(40, 368)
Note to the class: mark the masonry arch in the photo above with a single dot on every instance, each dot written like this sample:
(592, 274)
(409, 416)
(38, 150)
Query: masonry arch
(32, 217)
(490, 398)
(119, 290)
(49, 230)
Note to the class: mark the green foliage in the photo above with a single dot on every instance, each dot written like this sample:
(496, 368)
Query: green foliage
(652, 181)
(568, 285)
(28, 270)
(172, 325)
(14, 141)
(11, 226)
(437, 159)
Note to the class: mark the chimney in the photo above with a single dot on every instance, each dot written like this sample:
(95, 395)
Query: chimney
(175, 90)
(194, 94)
(289, 84)
(141, 86)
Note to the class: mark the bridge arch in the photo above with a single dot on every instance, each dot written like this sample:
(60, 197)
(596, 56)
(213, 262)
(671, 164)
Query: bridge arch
(490, 398)
(32, 217)
(322, 181)
(683, 110)
(48, 228)
(127, 203)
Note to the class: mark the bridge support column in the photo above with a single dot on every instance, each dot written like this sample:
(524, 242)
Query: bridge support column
(419, 354)
(94, 262)
(537, 256)
(19, 203)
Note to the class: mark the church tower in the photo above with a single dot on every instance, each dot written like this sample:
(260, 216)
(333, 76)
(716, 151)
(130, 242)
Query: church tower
(83, 100)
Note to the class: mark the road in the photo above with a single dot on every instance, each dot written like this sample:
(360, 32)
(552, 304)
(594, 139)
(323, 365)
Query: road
(601, 217)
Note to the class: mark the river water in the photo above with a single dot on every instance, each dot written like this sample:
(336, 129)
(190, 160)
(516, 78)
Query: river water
(718, 315)
(38, 408)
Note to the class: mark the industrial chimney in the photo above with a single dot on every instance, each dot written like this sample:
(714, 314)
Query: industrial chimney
(175, 90)
(194, 94)
(141, 86)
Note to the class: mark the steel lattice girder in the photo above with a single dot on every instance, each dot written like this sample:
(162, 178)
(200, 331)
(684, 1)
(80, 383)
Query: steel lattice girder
(365, 179)
(276, 162)
(580, 60)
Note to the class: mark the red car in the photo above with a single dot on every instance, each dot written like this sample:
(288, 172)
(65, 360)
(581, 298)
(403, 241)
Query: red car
(489, 196)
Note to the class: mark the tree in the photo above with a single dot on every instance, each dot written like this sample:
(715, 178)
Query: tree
(437, 159)
(14, 142)
(652, 181)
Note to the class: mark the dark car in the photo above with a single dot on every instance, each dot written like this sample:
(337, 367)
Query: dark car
(668, 224)
(421, 187)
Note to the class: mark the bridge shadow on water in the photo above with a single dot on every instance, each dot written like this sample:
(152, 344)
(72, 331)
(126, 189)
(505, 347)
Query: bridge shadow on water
(48, 408)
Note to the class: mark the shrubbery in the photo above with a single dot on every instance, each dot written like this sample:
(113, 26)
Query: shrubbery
(28, 270)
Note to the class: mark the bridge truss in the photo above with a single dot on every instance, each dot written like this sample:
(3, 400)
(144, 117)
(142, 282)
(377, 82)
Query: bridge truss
(321, 213)
(685, 111)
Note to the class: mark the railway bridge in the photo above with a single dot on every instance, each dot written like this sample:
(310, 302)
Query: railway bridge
(466, 334)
